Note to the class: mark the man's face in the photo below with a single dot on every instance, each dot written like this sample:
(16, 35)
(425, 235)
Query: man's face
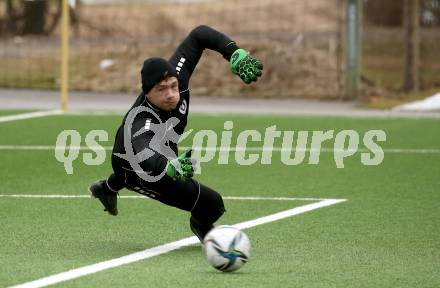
(165, 95)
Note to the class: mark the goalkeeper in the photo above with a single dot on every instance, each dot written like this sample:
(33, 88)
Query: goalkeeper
(144, 157)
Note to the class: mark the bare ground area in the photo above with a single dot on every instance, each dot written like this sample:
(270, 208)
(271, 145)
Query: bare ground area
(298, 42)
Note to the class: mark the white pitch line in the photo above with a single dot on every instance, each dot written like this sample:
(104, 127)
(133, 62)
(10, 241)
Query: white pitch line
(325, 150)
(24, 116)
(244, 198)
(162, 249)
(231, 149)
(96, 113)
(288, 213)
(51, 148)
(252, 198)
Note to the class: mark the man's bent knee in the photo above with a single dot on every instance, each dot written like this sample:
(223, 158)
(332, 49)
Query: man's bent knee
(209, 207)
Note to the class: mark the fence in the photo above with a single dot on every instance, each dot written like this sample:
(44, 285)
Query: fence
(302, 44)
(384, 46)
(298, 41)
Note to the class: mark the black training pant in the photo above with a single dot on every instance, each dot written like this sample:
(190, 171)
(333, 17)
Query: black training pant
(205, 204)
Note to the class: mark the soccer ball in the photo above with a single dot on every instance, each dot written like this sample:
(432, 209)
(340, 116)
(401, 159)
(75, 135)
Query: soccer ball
(226, 248)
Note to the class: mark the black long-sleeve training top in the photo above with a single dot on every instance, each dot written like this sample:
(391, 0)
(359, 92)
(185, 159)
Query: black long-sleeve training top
(153, 131)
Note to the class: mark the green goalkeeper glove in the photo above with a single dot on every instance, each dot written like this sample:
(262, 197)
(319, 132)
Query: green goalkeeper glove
(181, 168)
(245, 66)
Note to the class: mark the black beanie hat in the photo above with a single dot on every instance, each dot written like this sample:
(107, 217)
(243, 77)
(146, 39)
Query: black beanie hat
(153, 71)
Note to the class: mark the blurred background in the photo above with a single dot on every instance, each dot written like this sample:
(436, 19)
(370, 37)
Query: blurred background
(303, 44)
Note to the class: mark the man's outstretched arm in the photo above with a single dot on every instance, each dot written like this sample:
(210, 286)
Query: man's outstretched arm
(205, 37)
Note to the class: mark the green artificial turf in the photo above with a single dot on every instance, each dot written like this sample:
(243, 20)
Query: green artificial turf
(385, 235)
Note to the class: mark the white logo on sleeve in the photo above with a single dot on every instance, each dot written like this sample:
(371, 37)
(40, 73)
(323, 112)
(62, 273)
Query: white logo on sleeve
(180, 65)
(183, 107)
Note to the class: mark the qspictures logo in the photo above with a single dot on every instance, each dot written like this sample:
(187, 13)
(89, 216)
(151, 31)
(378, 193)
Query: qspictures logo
(245, 148)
